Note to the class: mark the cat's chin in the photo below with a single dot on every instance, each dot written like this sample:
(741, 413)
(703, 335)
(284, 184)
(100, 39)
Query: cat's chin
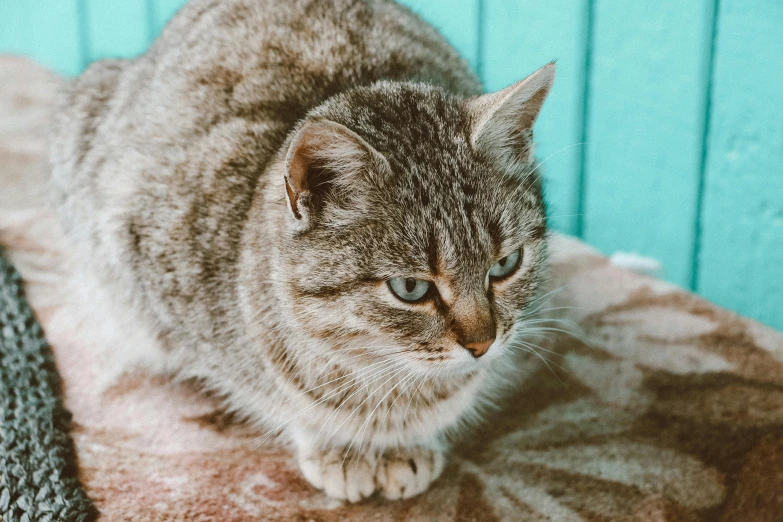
(455, 367)
(461, 370)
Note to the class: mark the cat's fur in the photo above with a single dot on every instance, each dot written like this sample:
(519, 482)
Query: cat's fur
(242, 193)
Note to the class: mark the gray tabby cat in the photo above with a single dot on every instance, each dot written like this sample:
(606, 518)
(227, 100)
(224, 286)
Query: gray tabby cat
(309, 206)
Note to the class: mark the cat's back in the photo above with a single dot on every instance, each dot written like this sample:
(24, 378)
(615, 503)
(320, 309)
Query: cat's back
(262, 62)
(271, 61)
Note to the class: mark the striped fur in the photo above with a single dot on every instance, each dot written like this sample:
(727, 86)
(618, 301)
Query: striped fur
(238, 196)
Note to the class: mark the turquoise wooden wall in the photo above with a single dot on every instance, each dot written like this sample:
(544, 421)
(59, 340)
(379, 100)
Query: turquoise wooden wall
(663, 134)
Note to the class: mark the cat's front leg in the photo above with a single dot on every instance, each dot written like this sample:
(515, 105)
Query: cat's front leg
(396, 473)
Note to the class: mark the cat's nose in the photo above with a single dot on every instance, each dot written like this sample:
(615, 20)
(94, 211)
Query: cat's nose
(480, 348)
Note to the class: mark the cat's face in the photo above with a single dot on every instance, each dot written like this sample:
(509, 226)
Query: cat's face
(415, 223)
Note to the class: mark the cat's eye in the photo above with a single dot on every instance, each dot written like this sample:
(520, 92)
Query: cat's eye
(506, 266)
(409, 289)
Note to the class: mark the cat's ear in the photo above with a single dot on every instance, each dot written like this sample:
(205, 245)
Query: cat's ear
(503, 121)
(324, 165)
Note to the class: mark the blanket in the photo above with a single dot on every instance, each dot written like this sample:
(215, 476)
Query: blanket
(662, 407)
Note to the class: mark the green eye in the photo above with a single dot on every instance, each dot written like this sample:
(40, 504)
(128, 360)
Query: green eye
(506, 266)
(409, 289)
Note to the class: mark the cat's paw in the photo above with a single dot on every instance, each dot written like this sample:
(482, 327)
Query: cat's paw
(349, 478)
(406, 472)
(399, 473)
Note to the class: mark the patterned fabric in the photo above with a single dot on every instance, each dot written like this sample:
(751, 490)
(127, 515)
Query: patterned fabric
(663, 408)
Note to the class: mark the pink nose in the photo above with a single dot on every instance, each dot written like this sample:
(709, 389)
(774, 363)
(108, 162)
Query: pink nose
(480, 348)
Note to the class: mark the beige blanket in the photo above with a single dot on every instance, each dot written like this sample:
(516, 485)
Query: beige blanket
(665, 408)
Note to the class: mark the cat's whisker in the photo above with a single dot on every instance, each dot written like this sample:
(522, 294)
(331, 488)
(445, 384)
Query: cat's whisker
(542, 301)
(409, 379)
(545, 296)
(530, 349)
(316, 403)
(353, 373)
(383, 365)
(409, 383)
(539, 329)
(423, 379)
(335, 359)
(370, 416)
(568, 326)
(552, 216)
(557, 153)
(539, 313)
(433, 380)
(356, 409)
(535, 349)
(527, 343)
(336, 392)
(336, 411)
(543, 319)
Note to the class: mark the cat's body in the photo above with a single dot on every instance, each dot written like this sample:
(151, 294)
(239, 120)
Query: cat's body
(239, 191)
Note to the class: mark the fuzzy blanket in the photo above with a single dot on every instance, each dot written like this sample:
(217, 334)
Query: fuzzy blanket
(665, 407)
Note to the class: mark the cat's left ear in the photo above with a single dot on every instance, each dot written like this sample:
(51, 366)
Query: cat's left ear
(503, 121)
(325, 165)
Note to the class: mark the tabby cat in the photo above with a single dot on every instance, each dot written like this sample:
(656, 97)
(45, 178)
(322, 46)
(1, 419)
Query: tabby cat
(310, 207)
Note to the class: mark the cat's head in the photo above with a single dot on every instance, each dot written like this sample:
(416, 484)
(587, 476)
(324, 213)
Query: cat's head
(415, 226)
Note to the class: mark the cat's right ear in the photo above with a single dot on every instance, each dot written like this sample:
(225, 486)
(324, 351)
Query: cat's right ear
(503, 121)
(323, 165)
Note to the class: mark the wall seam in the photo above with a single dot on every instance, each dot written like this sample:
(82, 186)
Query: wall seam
(84, 33)
(152, 26)
(480, 43)
(581, 182)
(704, 150)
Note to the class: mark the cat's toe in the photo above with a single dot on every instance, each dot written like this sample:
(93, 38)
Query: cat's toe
(349, 478)
(312, 470)
(407, 472)
(359, 480)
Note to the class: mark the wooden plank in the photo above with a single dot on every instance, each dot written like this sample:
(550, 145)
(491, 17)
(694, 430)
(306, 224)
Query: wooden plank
(457, 20)
(520, 37)
(14, 26)
(741, 252)
(58, 34)
(163, 10)
(45, 30)
(117, 29)
(644, 135)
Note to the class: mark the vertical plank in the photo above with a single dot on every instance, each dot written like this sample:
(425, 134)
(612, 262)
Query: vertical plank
(741, 254)
(163, 10)
(520, 37)
(645, 129)
(58, 34)
(457, 20)
(117, 29)
(14, 26)
(45, 30)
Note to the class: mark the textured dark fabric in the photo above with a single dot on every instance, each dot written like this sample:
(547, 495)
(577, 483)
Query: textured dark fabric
(38, 477)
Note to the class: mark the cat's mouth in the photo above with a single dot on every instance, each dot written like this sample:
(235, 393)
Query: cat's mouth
(458, 361)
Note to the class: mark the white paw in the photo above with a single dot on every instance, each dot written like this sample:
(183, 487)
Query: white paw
(400, 473)
(406, 472)
(346, 478)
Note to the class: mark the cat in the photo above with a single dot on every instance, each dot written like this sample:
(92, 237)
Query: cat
(312, 208)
